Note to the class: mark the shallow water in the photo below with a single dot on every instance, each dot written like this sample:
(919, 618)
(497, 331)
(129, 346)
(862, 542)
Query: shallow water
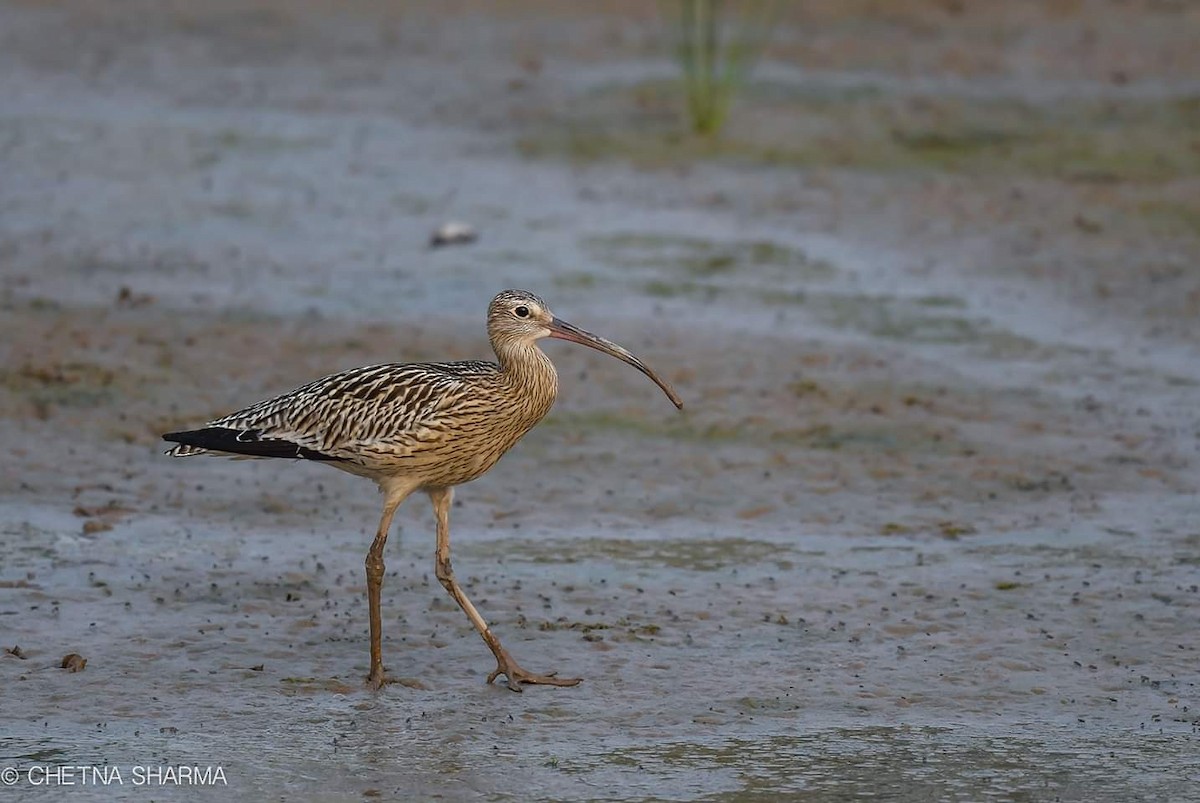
(1023, 666)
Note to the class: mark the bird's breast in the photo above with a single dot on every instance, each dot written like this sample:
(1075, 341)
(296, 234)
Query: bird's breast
(469, 452)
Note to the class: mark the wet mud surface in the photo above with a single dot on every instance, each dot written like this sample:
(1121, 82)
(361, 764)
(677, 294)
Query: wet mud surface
(926, 528)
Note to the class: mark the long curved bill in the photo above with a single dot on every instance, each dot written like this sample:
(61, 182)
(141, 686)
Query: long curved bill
(565, 331)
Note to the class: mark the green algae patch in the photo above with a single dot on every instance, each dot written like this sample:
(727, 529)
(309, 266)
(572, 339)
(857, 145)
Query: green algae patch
(851, 436)
(700, 258)
(68, 382)
(700, 554)
(805, 127)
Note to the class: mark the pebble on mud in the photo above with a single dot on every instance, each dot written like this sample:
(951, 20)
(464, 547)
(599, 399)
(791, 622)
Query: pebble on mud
(73, 662)
(453, 233)
(93, 526)
(129, 299)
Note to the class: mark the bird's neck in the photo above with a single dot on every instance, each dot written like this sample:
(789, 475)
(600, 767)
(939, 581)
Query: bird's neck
(529, 372)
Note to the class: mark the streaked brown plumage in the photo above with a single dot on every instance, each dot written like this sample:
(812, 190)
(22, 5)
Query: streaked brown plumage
(419, 426)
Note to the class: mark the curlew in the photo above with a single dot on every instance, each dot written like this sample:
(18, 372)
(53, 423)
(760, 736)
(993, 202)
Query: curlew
(418, 427)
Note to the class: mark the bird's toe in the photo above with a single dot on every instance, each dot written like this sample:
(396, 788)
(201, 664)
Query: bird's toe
(517, 678)
(376, 681)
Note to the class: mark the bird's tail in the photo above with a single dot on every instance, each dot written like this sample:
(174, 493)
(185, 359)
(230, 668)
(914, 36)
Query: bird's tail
(240, 442)
(184, 450)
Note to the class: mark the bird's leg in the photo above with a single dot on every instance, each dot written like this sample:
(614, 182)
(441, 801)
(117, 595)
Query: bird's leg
(505, 665)
(375, 569)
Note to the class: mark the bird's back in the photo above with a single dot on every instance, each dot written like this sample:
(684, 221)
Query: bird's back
(445, 423)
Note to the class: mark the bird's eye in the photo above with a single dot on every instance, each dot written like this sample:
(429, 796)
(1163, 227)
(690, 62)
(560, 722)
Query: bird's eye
(521, 312)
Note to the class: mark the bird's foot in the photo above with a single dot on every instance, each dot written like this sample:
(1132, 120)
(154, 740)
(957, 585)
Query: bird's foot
(377, 680)
(517, 676)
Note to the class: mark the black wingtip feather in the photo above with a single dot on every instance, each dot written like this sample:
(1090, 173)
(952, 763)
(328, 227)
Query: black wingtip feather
(247, 442)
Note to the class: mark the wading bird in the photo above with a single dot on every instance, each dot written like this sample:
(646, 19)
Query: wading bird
(418, 427)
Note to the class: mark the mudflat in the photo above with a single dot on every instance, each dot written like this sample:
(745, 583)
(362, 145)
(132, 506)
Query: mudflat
(926, 527)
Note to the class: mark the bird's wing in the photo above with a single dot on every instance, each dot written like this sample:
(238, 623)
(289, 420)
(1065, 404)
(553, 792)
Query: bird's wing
(380, 411)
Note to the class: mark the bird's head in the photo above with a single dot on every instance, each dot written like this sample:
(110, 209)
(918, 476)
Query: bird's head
(520, 318)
